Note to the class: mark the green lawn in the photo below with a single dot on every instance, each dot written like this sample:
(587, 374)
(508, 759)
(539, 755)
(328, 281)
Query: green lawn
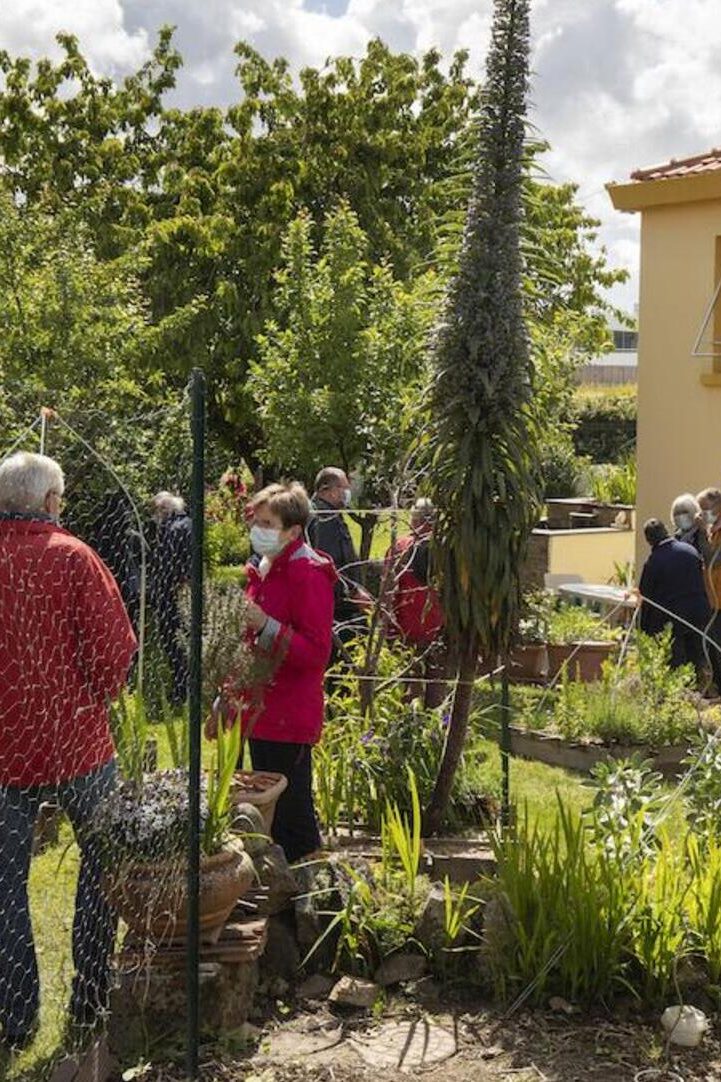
(382, 534)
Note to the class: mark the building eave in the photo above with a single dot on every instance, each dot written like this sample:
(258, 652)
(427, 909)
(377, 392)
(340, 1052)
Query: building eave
(640, 195)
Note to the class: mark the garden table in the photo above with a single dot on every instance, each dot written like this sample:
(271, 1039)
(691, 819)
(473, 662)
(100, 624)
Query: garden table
(600, 597)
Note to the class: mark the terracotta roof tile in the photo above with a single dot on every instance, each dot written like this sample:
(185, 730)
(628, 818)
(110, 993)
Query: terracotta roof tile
(682, 167)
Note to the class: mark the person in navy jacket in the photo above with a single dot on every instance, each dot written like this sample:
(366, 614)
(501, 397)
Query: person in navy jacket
(673, 578)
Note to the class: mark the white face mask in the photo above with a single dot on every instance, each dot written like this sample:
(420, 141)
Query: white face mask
(347, 497)
(266, 540)
(684, 521)
(710, 517)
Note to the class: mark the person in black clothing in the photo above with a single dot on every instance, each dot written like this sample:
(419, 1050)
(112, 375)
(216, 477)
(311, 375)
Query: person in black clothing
(169, 569)
(673, 577)
(116, 540)
(328, 533)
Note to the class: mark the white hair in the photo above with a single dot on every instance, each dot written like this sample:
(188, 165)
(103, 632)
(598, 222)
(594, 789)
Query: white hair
(686, 503)
(423, 511)
(165, 504)
(25, 481)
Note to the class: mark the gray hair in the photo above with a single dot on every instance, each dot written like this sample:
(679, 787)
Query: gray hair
(26, 479)
(686, 503)
(165, 504)
(423, 511)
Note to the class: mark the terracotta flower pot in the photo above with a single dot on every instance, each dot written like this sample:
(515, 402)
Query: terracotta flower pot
(585, 659)
(152, 898)
(260, 788)
(529, 661)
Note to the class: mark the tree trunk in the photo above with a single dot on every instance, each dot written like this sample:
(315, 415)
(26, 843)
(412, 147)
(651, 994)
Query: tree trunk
(455, 741)
(367, 525)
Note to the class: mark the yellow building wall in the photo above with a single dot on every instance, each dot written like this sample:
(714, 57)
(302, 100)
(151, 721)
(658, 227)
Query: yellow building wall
(679, 419)
(592, 554)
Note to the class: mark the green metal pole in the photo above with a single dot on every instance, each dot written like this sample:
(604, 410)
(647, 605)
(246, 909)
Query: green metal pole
(505, 749)
(197, 399)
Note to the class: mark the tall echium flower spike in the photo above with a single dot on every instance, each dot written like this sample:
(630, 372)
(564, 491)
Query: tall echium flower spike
(484, 442)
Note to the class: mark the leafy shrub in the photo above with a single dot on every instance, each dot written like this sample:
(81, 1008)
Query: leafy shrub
(644, 702)
(615, 484)
(361, 757)
(562, 469)
(703, 786)
(569, 623)
(622, 817)
(226, 543)
(605, 424)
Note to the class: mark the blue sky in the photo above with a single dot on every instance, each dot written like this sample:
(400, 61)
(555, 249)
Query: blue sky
(618, 83)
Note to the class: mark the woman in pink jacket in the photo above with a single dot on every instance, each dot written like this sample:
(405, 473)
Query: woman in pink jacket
(290, 615)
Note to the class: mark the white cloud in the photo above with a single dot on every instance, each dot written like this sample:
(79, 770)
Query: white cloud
(617, 83)
(28, 27)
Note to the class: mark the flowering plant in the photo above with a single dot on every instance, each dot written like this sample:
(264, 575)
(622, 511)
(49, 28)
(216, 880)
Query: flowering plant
(147, 821)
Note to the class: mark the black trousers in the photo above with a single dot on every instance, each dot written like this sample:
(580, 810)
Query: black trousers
(295, 827)
(714, 633)
(171, 632)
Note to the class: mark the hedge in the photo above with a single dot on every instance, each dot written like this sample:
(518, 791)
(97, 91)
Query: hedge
(605, 421)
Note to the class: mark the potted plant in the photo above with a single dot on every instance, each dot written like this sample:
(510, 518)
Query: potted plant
(228, 659)
(529, 659)
(578, 641)
(142, 829)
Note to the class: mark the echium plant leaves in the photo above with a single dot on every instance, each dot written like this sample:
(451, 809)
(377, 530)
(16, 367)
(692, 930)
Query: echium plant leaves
(484, 438)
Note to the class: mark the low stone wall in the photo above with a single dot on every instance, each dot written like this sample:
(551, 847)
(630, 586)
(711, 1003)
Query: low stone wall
(582, 757)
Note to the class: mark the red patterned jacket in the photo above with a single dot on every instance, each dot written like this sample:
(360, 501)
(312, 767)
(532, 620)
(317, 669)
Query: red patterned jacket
(66, 646)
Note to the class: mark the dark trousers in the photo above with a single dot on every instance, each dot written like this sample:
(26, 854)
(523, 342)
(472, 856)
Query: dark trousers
(295, 827)
(171, 632)
(687, 648)
(94, 923)
(714, 632)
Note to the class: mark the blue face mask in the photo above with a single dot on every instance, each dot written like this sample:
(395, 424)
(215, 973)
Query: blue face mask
(266, 541)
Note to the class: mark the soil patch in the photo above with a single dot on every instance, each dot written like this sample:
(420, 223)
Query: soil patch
(530, 1047)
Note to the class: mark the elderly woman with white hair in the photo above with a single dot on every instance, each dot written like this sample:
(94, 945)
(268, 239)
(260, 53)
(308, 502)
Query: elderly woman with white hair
(688, 519)
(66, 646)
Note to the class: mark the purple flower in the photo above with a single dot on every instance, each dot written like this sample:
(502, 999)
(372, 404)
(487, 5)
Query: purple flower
(367, 738)
(446, 719)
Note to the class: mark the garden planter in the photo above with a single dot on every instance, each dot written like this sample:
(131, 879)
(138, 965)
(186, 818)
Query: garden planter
(260, 788)
(553, 750)
(528, 662)
(585, 659)
(152, 898)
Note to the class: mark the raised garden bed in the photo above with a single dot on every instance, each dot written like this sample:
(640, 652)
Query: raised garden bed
(554, 750)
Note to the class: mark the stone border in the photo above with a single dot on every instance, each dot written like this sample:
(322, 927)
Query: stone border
(553, 750)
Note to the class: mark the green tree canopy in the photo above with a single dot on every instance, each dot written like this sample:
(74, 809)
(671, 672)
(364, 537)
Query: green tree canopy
(342, 357)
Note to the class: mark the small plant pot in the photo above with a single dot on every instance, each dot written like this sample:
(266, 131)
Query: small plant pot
(152, 898)
(260, 788)
(583, 660)
(528, 662)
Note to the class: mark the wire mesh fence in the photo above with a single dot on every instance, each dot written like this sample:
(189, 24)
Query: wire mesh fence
(95, 549)
(110, 832)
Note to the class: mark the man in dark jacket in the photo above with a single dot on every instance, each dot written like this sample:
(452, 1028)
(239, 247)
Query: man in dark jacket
(672, 577)
(328, 533)
(170, 557)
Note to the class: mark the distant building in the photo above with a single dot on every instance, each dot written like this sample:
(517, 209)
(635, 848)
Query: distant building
(618, 366)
